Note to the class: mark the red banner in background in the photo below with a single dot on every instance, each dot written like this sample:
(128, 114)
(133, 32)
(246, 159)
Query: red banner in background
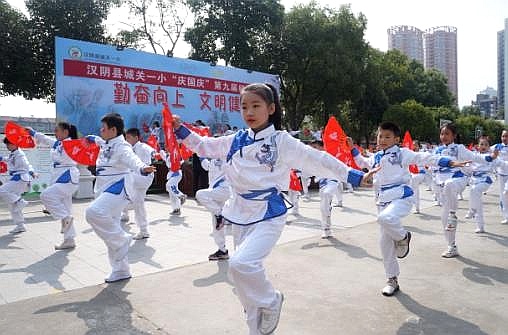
(172, 147)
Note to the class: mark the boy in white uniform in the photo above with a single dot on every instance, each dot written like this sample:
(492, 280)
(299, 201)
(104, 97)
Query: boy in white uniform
(213, 198)
(141, 183)
(114, 188)
(394, 196)
(502, 173)
(20, 171)
(176, 197)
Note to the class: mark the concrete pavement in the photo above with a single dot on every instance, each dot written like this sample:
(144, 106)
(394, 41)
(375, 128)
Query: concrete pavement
(331, 286)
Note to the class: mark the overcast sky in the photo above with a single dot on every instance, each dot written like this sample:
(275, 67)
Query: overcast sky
(477, 23)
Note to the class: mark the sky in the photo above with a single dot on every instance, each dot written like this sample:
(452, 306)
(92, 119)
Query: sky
(477, 25)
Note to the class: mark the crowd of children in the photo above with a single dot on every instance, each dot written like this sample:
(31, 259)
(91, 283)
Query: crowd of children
(249, 173)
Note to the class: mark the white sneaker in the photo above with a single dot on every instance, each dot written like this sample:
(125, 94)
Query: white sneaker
(66, 224)
(327, 233)
(392, 286)
(338, 204)
(124, 218)
(18, 229)
(402, 246)
(117, 276)
(505, 221)
(452, 222)
(66, 244)
(479, 230)
(470, 214)
(141, 235)
(450, 252)
(121, 252)
(269, 317)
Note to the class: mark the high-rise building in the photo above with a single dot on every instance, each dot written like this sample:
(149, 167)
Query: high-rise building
(487, 103)
(436, 48)
(502, 69)
(408, 40)
(440, 50)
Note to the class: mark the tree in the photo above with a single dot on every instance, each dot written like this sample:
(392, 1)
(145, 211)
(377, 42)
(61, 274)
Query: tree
(242, 33)
(77, 19)
(16, 56)
(324, 58)
(159, 23)
(471, 110)
(413, 116)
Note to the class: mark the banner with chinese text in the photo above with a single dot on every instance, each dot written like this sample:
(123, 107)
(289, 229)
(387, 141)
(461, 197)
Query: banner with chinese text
(94, 79)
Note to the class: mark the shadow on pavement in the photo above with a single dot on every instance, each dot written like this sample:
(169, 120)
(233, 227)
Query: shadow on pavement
(483, 274)
(431, 321)
(221, 276)
(351, 250)
(109, 312)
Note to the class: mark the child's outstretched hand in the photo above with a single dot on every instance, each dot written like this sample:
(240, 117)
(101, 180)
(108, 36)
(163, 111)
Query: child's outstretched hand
(367, 179)
(149, 169)
(495, 154)
(459, 163)
(177, 122)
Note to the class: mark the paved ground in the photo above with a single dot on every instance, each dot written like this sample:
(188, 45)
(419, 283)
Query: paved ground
(331, 286)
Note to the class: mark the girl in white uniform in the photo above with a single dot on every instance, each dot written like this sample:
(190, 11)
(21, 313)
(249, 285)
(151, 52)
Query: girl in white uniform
(114, 188)
(502, 174)
(213, 198)
(21, 172)
(451, 181)
(258, 162)
(480, 181)
(394, 196)
(57, 198)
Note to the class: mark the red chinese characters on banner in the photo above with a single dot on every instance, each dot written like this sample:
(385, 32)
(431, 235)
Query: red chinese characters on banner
(142, 95)
(121, 94)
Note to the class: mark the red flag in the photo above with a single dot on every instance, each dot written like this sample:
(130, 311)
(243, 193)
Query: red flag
(18, 135)
(185, 152)
(202, 131)
(172, 147)
(295, 183)
(407, 142)
(3, 167)
(334, 140)
(82, 151)
(152, 141)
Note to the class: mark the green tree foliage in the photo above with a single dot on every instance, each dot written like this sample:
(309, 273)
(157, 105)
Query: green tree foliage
(325, 53)
(242, 33)
(16, 56)
(413, 116)
(77, 19)
(466, 126)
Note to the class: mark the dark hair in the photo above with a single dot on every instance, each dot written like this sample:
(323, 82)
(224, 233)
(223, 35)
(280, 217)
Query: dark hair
(450, 126)
(73, 132)
(317, 142)
(156, 123)
(269, 94)
(133, 132)
(6, 141)
(484, 137)
(114, 120)
(390, 126)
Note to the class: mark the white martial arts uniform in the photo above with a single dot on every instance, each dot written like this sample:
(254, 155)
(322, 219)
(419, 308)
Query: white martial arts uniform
(141, 184)
(20, 171)
(480, 181)
(214, 197)
(394, 196)
(57, 198)
(294, 195)
(502, 174)
(452, 181)
(173, 179)
(416, 180)
(328, 188)
(113, 188)
(257, 167)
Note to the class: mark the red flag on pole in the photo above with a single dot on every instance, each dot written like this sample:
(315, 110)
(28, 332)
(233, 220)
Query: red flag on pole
(295, 183)
(82, 151)
(18, 135)
(407, 142)
(172, 147)
(152, 141)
